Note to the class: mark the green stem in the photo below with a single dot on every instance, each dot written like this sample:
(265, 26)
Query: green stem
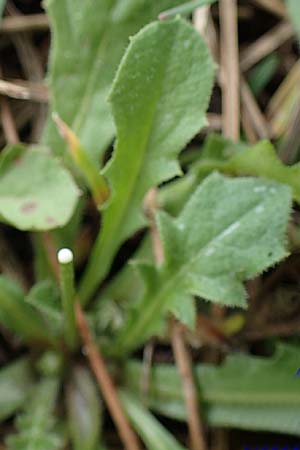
(186, 8)
(104, 251)
(65, 259)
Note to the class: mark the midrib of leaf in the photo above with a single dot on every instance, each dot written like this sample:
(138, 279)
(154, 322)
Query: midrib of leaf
(107, 243)
(152, 308)
(211, 395)
(251, 398)
(145, 149)
(69, 15)
(87, 97)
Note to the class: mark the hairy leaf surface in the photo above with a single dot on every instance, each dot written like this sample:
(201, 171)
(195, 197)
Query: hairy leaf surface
(45, 297)
(36, 426)
(88, 40)
(158, 106)
(248, 392)
(223, 236)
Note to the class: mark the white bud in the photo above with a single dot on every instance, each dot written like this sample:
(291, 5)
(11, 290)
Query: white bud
(65, 256)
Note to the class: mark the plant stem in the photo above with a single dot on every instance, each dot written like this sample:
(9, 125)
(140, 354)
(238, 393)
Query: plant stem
(185, 366)
(107, 387)
(103, 250)
(186, 8)
(65, 259)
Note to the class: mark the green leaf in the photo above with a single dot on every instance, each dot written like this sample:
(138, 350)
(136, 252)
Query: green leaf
(294, 13)
(186, 8)
(36, 426)
(84, 410)
(36, 192)
(154, 435)
(260, 160)
(158, 107)
(45, 297)
(88, 41)
(18, 316)
(223, 236)
(15, 381)
(263, 72)
(248, 392)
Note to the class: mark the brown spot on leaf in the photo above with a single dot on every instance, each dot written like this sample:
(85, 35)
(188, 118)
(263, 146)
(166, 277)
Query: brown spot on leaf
(51, 221)
(19, 161)
(28, 207)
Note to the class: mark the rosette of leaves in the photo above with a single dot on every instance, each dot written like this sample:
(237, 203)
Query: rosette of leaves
(220, 235)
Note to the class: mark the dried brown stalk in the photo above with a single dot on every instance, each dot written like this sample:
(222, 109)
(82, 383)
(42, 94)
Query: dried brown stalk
(248, 126)
(230, 69)
(212, 38)
(7, 120)
(268, 330)
(147, 363)
(21, 115)
(105, 382)
(283, 101)
(265, 45)
(200, 19)
(182, 356)
(276, 7)
(24, 90)
(8, 123)
(33, 69)
(51, 251)
(150, 205)
(253, 111)
(34, 22)
(214, 121)
(184, 364)
(290, 145)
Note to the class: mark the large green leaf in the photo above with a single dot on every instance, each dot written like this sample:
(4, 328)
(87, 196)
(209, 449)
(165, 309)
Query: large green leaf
(154, 435)
(223, 236)
(158, 107)
(247, 392)
(84, 410)
(15, 381)
(88, 40)
(36, 192)
(36, 426)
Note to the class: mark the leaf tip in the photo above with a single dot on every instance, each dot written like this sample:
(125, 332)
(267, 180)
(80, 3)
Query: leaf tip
(67, 134)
